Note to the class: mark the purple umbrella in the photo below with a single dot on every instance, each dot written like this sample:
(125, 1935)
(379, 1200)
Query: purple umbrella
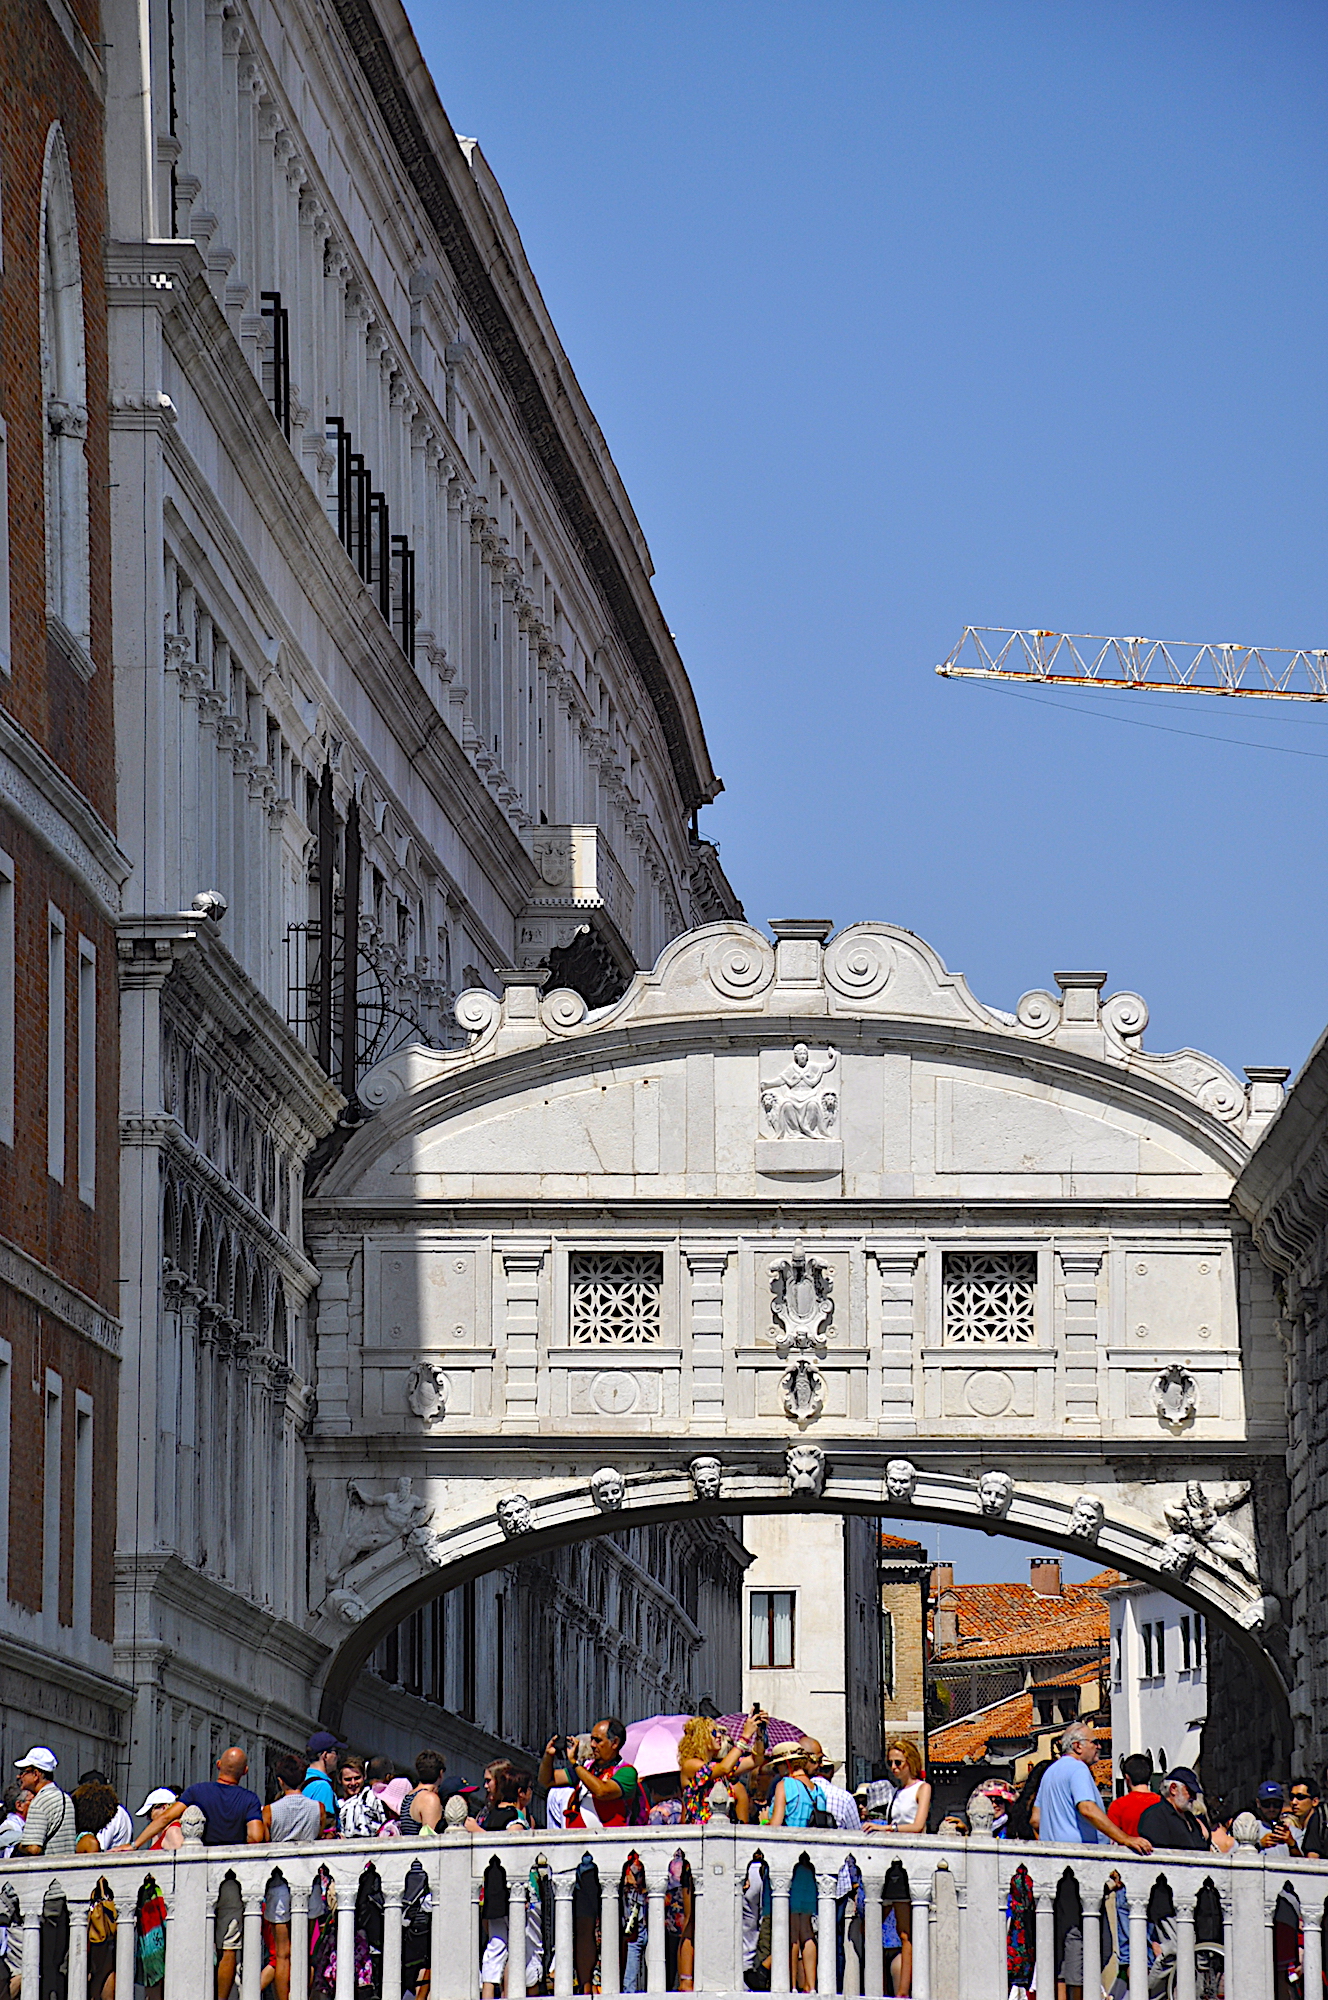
(775, 1730)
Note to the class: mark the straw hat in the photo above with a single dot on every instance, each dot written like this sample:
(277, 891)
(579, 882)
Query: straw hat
(787, 1753)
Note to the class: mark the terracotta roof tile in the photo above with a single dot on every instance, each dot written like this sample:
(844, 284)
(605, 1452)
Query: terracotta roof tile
(998, 1619)
(969, 1736)
(899, 1542)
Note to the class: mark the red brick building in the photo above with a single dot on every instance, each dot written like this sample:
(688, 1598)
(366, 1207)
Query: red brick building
(61, 872)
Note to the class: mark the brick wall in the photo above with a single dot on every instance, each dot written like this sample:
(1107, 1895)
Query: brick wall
(46, 78)
(43, 81)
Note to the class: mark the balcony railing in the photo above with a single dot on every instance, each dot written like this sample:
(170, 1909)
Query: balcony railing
(955, 1892)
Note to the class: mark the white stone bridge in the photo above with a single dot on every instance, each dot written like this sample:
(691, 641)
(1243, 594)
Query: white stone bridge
(795, 1226)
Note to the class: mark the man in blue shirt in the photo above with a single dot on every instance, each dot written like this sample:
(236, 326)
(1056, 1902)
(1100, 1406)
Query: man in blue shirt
(1069, 1808)
(232, 1817)
(324, 1758)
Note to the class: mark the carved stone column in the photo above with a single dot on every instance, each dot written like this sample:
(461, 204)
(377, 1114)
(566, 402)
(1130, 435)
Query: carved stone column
(707, 1266)
(522, 1265)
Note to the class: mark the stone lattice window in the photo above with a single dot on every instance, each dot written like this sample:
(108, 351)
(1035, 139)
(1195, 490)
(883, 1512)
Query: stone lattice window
(615, 1296)
(989, 1297)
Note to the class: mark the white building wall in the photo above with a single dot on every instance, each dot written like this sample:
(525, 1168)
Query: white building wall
(1160, 1713)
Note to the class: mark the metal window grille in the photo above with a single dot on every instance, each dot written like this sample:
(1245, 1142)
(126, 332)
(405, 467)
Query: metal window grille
(989, 1298)
(279, 391)
(386, 562)
(615, 1296)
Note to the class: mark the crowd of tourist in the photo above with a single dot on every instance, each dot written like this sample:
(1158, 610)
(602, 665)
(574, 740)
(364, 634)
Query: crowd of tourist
(583, 1783)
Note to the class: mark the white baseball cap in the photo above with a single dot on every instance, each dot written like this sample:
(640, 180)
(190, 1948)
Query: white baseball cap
(163, 1796)
(37, 1760)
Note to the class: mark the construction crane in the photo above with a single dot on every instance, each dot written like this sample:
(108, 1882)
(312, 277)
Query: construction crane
(1165, 666)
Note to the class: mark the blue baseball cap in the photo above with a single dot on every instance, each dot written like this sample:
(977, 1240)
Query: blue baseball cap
(1270, 1793)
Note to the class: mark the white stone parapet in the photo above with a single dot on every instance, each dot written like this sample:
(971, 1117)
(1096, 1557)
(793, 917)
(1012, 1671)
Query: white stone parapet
(957, 1890)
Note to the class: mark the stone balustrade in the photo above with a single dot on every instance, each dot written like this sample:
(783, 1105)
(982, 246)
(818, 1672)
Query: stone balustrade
(957, 1890)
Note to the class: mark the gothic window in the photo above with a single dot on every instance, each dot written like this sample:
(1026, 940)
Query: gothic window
(64, 400)
(989, 1297)
(615, 1296)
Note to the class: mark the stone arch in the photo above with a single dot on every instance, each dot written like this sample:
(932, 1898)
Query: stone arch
(64, 398)
(379, 1590)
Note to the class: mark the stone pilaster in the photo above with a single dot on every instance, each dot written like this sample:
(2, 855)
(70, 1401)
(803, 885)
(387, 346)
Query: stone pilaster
(897, 1265)
(522, 1265)
(1080, 1267)
(707, 1266)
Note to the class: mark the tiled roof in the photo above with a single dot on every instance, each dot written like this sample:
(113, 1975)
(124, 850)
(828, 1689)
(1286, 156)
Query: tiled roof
(968, 1738)
(898, 1542)
(997, 1620)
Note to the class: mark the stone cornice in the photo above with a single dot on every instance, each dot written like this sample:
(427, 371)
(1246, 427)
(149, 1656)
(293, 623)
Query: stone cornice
(503, 305)
(195, 1166)
(153, 947)
(48, 1669)
(218, 1606)
(1283, 1190)
(40, 796)
(52, 1295)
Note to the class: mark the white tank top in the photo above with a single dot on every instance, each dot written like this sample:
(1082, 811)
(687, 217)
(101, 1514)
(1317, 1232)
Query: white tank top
(904, 1804)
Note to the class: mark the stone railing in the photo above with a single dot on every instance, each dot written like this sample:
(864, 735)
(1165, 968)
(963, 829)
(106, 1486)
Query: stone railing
(957, 1892)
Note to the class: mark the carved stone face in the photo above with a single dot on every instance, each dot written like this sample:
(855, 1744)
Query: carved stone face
(514, 1516)
(901, 1478)
(1086, 1517)
(806, 1469)
(1179, 1554)
(995, 1492)
(706, 1474)
(607, 1488)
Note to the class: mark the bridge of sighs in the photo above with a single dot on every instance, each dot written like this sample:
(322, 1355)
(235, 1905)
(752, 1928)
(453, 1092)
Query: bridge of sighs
(799, 1225)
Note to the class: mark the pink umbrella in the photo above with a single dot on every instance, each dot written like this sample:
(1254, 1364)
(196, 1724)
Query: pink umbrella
(775, 1730)
(655, 1739)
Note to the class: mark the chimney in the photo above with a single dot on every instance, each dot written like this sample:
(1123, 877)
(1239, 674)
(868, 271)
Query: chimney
(1044, 1576)
(945, 1622)
(942, 1578)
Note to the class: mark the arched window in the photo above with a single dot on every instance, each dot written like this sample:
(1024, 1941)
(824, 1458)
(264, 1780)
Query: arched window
(64, 400)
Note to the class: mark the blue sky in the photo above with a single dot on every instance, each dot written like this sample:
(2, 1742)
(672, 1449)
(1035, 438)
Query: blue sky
(901, 317)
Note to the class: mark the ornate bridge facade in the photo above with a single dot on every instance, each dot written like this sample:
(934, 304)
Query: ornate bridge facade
(801, 1225)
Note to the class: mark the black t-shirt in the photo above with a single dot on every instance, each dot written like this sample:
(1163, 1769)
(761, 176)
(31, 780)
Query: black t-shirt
(1314, 1840)
(1165, 1827)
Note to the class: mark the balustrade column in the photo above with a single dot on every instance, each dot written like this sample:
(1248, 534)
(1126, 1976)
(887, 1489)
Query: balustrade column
(610, 1972)
(299, 1943)
(251, 1965)
(392, 1894)
(657, 1881)
(1312, 1919)
(78, 1949)
(873, 1917)
(125, 1926)
(1185, 1984)
(32, 1909)
(564, 1886)
(779, 1927)
(1091, 1904)
(1045, 1947)
(516, 1938)
(1138, 1942)
(827, 1953)
(345, 1986)
(921, 1900)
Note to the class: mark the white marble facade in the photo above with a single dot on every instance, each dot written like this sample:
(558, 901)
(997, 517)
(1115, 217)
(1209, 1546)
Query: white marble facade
(395, 704)
(997, 1279)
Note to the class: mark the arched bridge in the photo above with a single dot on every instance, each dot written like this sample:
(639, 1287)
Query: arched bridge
(794, 1225)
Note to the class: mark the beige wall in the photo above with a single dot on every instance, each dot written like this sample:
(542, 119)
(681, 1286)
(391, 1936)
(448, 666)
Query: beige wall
(803, 1553)
(905, 1689)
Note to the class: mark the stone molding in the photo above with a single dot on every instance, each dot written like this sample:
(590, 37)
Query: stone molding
(559, 428)
(41, 797)
(51, 1294)
(878, 975)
